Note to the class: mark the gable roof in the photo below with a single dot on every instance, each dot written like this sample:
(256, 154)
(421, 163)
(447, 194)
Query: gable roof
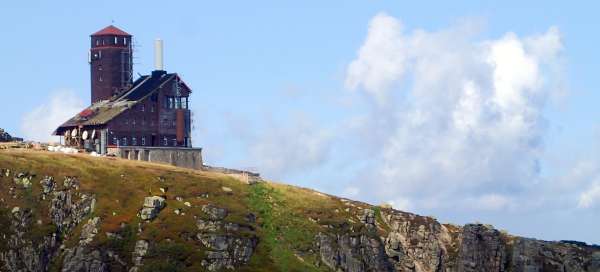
(102, 112)
(111, 30)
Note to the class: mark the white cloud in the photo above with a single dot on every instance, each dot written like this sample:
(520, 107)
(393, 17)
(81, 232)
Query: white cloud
(590, 198)
(382, 59)
(284, 150)
(39, 123)
(465, 116)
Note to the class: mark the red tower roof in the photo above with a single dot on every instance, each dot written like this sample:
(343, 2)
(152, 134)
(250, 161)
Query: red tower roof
(111, 30)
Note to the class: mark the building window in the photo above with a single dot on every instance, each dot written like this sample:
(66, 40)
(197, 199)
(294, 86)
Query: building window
(133, 122)
(124, 141)
(115, 141)
(100, 78)
(97, 42)
(142, 107)
(134, 141)
(174, 142)
(143, 140)
(184, 102)
(165, 141)
(125, 41)
(116, 42)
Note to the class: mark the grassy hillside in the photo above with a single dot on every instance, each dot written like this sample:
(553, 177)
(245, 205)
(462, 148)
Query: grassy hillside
(286, 216)
(215, 222)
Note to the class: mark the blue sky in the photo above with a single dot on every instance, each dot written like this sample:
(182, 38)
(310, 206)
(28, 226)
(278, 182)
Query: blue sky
(273, 91)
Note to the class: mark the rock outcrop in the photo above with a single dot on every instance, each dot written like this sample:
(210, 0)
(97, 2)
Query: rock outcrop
(152, 206)
(50, 223)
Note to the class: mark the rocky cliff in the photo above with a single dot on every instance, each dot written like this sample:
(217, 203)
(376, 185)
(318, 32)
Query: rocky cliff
(78, 213)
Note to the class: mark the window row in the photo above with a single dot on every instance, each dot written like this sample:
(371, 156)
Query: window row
(176, 102)
(133, 141)
(113, 41)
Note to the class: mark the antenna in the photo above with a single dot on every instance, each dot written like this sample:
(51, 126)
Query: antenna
(158, 55)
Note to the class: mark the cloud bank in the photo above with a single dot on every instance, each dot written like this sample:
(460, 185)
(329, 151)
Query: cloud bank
(463, 124)
(38, 124)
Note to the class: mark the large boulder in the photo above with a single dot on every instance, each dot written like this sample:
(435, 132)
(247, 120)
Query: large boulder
(152, 206)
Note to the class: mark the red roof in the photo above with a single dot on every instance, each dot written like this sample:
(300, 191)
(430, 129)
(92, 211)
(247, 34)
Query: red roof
(111, 30)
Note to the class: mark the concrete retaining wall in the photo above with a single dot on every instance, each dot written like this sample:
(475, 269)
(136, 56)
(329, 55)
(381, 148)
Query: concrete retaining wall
(181, 157)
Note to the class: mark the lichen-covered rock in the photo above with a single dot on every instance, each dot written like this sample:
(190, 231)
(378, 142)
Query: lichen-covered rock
(227, 251)
(84, 259)
(89, 231)
(535, 255)
(23, 254)
(415, 242)
(140, 250)
(23, 179)
(353, 253)
(367, 217)
(68, 208)
(48, 186)
(482, 249)
(151, 207)
(214, 212)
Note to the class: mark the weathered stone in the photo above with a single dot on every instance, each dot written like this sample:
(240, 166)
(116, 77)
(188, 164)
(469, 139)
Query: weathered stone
(482, 249)
(227, 251)
(152, 206)
(85, 260)
(141, 249)
(48, 186)
(352, 253)
(214, 212)
(89, 231)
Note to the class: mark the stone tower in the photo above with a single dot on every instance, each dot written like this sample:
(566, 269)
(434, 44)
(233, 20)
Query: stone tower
(110, 63)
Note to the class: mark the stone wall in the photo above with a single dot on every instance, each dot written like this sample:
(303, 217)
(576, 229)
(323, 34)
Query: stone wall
(180, 157)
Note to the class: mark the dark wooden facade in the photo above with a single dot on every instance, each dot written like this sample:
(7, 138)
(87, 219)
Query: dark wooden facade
(151, 111)
(111, 63)
(153, 120)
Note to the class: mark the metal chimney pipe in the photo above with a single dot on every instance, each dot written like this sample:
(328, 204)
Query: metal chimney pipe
(158, 55)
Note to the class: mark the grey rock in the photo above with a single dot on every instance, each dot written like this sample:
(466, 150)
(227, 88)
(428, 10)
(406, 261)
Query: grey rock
(89, 231)
(482, 249)
(152, 207)
(83, 259)
(352, 253)
(214, 212)
(227, 251)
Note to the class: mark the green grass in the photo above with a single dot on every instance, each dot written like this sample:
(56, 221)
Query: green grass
(286, 235)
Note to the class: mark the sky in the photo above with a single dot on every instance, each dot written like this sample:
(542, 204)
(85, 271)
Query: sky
(468, 111)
